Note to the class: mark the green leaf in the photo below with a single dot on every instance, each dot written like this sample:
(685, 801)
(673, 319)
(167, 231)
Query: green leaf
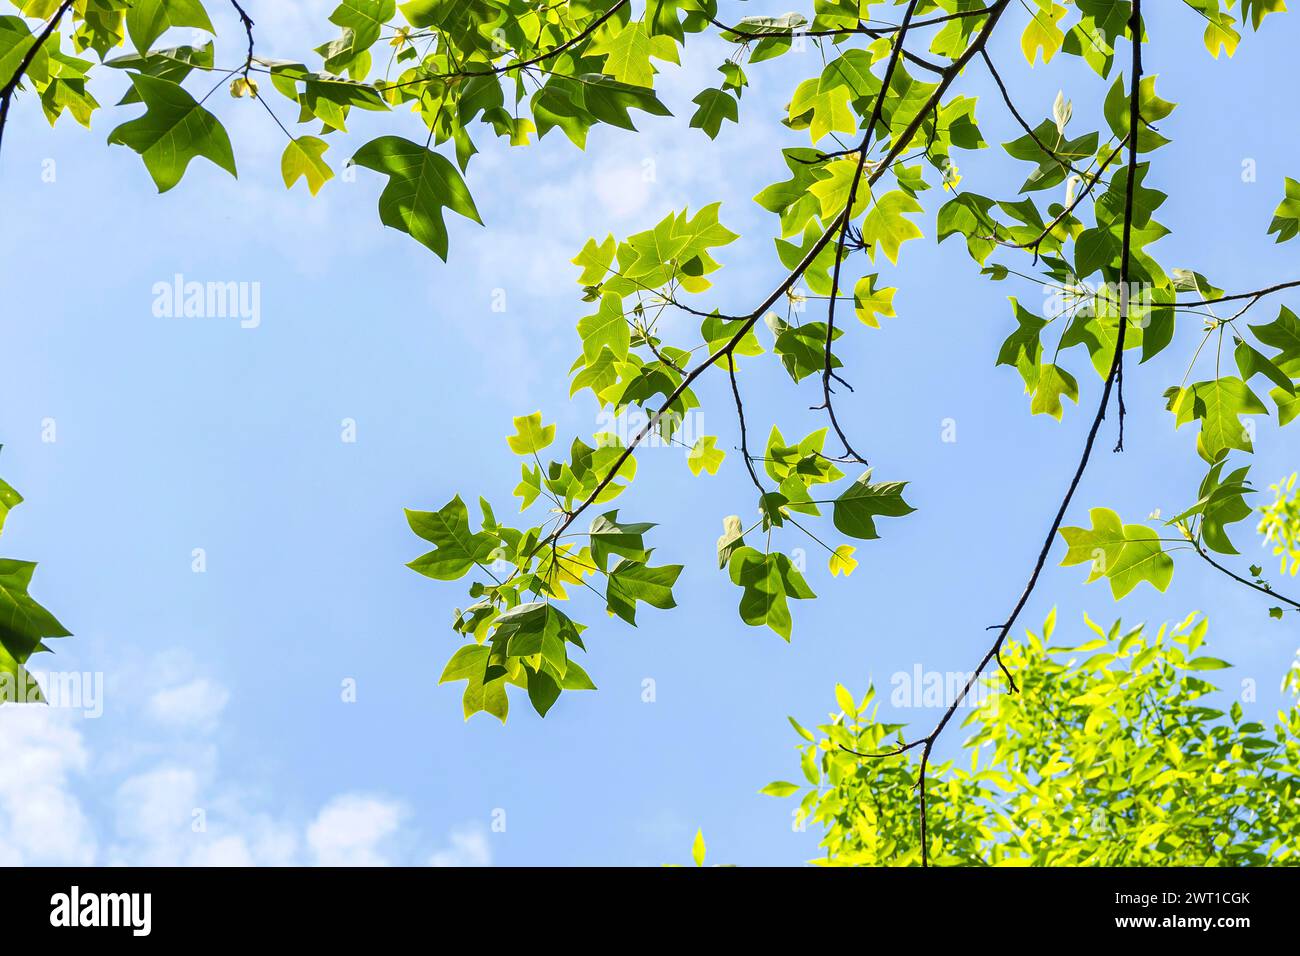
(870, 302)
(1153, 109)
(845, 700)
(457, 548)
(842, 561)
(714, 106)
(1042, 32)
(607, 328)
(1127, 554)
(698, 848)
(23, 622)
(147, 19)
(174, 130)
(362, 21)
(1286, 218)
(886, 227)
(421, 183)
(832, 190)
(768, 581)
(1221, 502)
(627, 53)
(1218, 405)
(1252, 362)
(631, 581)
(609, 536)
(1283, 333)
(801, 730)
(704, 456)
(303, 158)
(543, 691)
(780, 788)
(10, 499)
(530, 435)
(856, 509)
(1053, 383)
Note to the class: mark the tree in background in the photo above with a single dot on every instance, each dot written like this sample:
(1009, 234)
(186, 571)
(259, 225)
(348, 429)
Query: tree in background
(1108, 756)
(886, 122)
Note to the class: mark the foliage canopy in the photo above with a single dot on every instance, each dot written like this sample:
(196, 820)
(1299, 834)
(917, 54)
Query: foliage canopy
(886, 122)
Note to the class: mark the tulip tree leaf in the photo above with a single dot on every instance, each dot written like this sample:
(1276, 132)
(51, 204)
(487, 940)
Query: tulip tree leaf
(421, 183)
(1126, 554)
(174, 130)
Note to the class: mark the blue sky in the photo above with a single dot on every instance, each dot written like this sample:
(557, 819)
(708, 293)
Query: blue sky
(222, 689)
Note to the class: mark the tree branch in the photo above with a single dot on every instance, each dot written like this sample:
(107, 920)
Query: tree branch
(247, 21)
(7, 93)
(847, 218)
(748, 321)
(555, 51)
(926, 744)
(1237, 577)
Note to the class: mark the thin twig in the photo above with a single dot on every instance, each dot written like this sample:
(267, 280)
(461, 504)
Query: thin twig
(7, 93)
(863, 148)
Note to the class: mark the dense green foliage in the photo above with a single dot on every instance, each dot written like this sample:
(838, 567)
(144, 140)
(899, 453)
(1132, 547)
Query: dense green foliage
(885, 125)
(1110, 755)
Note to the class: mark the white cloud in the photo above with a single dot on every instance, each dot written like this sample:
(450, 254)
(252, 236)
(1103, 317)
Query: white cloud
(168, 805)
(352, 830)
(195, 705)
(469, 847)
(41, 822)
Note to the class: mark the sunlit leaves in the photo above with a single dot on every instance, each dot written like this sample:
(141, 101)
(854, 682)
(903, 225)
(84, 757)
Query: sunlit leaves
(1279, 523)
(1152, 110)
(802, 348)
(530, 435)
(304, 159)
(1051, 166)
(1041, 33)
(1125, 554)
(1218, 405)
(627, 52)
(822, 109)
(886, 226)
(832, 189)
(1053, 384)
(421, 183)
(870, 302)
(793, 200)
(528, 648)
(842, 560)
(607, 328)
(1130, 765)
(705, 456)
(174, 130)
(458, 549)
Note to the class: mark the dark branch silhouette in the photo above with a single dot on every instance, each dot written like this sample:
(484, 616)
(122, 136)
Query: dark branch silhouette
(7, 92)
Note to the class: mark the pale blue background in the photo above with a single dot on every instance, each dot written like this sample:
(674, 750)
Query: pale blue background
(176, 434)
